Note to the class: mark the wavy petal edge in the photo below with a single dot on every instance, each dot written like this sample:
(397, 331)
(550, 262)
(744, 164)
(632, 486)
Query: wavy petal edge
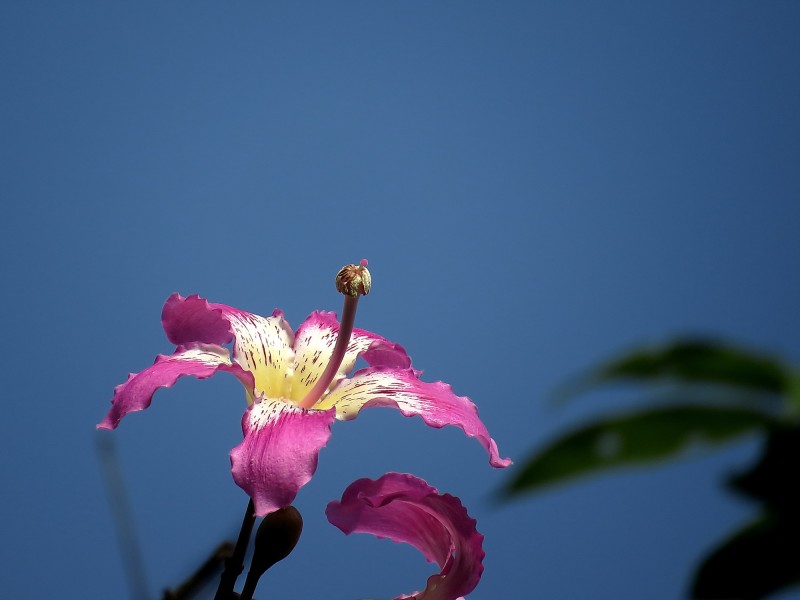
(199, 360)
(404, 508)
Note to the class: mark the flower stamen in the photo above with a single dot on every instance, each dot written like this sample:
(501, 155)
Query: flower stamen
(353, 281)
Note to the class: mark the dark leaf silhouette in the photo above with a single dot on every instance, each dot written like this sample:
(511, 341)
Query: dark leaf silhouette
(773, 479)
(756, 562)
(763, 557)
(632, 439)
(694, 361)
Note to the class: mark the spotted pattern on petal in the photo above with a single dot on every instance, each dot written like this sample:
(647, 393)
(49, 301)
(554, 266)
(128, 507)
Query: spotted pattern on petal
(263, 346)
(401, 388)
(352, 394)
(314, 344)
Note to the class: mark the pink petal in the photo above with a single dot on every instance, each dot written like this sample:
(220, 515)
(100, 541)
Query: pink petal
(279, 452)
(401, 388)
(194, 319)
(261, 345)
(313, 347)
(404, 508)
(200, 360)
(380, 352)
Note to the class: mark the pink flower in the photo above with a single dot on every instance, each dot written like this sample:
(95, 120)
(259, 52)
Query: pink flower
(292, 397)
(404, 508)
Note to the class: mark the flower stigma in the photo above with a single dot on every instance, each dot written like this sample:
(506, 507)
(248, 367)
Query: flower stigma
(353, 281)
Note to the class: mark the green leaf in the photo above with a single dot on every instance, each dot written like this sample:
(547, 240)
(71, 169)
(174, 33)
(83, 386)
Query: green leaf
(794, 392)
(756, 562)
(632, 439)
(695, 361)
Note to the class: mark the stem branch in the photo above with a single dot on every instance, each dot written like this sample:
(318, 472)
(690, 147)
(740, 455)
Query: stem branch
(235, 564)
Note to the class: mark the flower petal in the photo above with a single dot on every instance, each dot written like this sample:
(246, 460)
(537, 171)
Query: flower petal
(199, 360)
(194, 319)
(379, 352)
(406, 509)
(279, 452)
(262, 345)
(314, 344)
(434, 402)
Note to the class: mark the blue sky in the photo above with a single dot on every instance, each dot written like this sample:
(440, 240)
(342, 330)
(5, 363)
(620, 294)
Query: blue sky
(537, 186)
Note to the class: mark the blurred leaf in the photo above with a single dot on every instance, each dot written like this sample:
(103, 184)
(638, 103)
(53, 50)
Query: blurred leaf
(758, 561)
(773, 479)
(632, 439)
(695, 361)
(794, 392)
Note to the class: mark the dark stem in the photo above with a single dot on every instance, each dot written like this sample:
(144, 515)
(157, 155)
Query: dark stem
(204, 572)
(235, 564)
(249, 586)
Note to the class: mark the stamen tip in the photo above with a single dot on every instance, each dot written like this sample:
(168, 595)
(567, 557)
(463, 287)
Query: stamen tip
(354, 280)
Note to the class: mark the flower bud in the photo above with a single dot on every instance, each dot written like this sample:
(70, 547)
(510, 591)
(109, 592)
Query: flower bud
(276, 538)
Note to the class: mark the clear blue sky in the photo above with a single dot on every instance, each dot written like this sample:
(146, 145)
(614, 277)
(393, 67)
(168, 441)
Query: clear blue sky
(537, 186)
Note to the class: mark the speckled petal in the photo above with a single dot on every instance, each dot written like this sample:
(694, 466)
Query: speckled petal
(199, 360)
(404, 508)
(314, 344)
(262, 345)
(401, 388)
(279, 453)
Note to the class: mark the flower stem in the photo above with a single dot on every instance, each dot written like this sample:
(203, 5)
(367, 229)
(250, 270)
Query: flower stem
(235, 563)
(339, 351)
(249, 588)
(188, 589)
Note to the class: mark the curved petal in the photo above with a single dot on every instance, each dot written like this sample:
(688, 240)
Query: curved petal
(434, 402)
(262, 345)
(380, 352)
(314, 344)
(194, 319)
(199, 360)
(406, 509)
(279, 452)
